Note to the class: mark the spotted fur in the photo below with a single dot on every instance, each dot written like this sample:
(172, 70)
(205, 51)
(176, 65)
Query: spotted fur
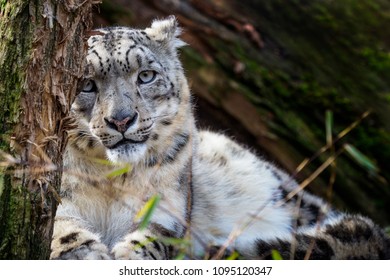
(135, 108)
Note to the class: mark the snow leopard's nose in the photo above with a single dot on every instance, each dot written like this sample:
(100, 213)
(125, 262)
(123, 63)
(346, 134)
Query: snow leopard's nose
(121, 123)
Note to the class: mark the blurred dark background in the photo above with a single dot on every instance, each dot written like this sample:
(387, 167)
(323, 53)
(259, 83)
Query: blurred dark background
(266, 72)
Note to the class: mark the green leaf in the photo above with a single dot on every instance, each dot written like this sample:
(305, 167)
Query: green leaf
(118, 172)
(144, 243)
(176, 241)
(329, 126)
(235, 255)
(276, 255)
(146, 212)
(180, 256)
(102, 161)
(361, 159)
(387, 230)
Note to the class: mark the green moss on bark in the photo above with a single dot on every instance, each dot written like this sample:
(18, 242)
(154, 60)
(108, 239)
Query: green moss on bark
(15, 205)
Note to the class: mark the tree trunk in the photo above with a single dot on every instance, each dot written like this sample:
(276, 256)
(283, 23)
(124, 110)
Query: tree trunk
(42, 49)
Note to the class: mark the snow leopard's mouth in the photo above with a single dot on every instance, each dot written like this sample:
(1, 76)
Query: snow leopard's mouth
(126, 141)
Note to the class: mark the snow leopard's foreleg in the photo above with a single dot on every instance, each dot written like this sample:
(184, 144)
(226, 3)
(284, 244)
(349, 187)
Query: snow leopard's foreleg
(146, 244)
(72, 241)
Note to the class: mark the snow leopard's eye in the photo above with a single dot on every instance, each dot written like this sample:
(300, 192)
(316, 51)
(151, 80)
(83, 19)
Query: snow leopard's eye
(89, 86)
(146, 77)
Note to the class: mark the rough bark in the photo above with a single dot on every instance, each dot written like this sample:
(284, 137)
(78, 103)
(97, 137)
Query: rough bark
(42, 49)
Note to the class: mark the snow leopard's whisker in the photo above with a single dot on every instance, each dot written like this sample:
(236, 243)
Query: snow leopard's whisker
(161, 117)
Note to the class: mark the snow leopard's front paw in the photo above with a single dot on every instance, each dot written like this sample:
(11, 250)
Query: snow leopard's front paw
(141, 245)
(79, 246)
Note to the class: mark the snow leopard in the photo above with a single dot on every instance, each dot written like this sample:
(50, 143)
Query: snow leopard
(135, 143)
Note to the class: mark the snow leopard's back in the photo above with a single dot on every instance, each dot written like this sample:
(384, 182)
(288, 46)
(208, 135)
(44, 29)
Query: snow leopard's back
(238, 192)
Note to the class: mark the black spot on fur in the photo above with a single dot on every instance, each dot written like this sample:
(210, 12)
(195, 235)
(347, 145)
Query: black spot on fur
(99, 57)
(221, 160)
(314, 212)
(139, 60)
(364, 232)
(264, 249)
(152, 255)
(322, 250)
(284, 193)
(85, 244)
(88, 243)
(157, 246)
(135, 242)
(276, 175)
(152, 161)
(166, 122)
(384, 244)
(350, 231)
(160, 230)
(63, 253)
(91, 143)
(179, 142)
(299, 254)
(213, 251)
(72, 237)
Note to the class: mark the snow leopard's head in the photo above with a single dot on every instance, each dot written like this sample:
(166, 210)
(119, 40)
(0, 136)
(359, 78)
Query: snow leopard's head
(133, 91)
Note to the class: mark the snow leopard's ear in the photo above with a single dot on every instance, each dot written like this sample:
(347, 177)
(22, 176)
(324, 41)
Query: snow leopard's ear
(166, 32)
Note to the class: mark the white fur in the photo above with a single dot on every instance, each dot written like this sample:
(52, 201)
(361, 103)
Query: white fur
(128, 153)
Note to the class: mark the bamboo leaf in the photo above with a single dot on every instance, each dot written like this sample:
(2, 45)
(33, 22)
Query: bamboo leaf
(180, 256)
(328, 146)
(179, 243)
(118, 172)
(329, 126)
(353, 125)
(143, 243)
(146, 212)
(276, 255)
(361, 159)
(235, 255)
(176, 241)
(102, 161)
(387, 230)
